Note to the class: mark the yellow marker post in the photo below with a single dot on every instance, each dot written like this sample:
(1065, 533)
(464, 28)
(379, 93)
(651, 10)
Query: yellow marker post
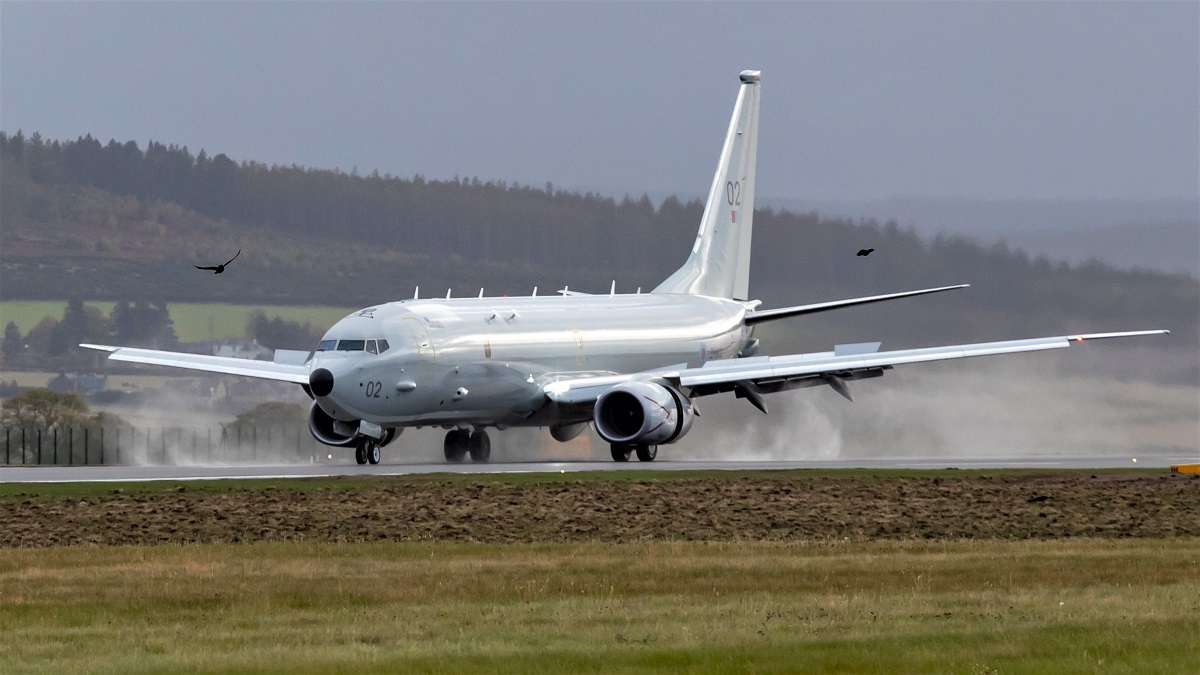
(1185, 468)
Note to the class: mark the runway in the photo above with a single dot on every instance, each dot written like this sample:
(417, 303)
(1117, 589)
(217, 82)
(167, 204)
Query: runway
(71, 474)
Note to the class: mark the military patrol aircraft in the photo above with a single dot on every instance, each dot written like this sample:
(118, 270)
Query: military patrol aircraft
(629, 364)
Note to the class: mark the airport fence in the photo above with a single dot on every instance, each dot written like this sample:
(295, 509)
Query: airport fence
(100, 445)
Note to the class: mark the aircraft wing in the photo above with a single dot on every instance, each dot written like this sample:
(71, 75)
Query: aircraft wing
(264, 370)
(751, 377)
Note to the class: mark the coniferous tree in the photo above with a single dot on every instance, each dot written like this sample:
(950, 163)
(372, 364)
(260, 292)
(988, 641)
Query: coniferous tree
(12, 341)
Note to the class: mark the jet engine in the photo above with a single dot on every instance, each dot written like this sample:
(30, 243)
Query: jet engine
(642, 413)
(330, 431)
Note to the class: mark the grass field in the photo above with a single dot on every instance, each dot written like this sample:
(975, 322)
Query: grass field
(193, 321)
(883, 607)
(732, 602)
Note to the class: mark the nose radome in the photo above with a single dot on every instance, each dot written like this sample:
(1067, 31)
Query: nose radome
(321, 382)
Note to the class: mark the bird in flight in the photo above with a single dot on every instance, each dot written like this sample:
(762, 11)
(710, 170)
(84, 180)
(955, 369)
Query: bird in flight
(220, 268)
(864, 251)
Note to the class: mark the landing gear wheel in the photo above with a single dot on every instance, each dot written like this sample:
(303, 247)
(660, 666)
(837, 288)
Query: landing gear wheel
(647, 453)
(374, 454)
(480, 446)
(455, 446)
(360, 453)
(621, 453)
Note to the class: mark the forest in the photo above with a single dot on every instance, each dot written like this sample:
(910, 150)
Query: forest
(118, 221)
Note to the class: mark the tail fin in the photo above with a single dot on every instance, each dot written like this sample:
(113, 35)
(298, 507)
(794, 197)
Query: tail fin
(719, 265)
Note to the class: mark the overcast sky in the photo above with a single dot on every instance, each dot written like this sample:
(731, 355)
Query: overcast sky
(860, 100)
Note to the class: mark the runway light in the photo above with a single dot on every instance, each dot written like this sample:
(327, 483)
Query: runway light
(562, 470)
(331, 457)
(1135, 460)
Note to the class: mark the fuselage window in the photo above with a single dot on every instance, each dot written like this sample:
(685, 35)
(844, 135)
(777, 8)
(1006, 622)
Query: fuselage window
(383, 346)
(371, 347)
(327, 345)
(351, 345)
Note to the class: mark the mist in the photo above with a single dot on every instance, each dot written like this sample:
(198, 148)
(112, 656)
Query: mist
(980, 411)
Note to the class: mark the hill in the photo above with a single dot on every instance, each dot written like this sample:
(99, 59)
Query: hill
(114, 221)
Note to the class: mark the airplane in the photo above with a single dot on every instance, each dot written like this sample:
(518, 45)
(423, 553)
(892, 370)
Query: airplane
(630, 365)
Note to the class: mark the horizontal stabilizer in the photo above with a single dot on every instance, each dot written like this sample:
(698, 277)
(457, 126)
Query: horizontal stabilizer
(857, 348)
(761, 315)
(293, 357)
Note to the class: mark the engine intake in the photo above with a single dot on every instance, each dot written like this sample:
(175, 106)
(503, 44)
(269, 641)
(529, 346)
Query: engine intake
(328, 430)
(642, 413)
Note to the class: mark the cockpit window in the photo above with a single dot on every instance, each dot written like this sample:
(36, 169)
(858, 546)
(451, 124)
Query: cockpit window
(369, 346)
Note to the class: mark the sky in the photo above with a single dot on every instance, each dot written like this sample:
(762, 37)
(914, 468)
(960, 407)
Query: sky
(970, 100)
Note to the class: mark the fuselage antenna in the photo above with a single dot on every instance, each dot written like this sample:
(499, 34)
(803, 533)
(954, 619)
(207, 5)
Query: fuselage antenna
(612, 290)
(417, 293)
(534, 292)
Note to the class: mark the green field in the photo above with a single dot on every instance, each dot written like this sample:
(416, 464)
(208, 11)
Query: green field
(875, 607)
(194, 322)
(657, 604)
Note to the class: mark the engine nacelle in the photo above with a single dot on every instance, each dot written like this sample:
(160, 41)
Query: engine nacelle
(328, 430)
(642, 413)
(565, 432)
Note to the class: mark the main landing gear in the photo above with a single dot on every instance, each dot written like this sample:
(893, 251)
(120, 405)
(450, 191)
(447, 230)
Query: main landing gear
(621, 452)
(459, 442)
(367, 450)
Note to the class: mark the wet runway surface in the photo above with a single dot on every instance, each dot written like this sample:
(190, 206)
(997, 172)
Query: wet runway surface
(44, 474)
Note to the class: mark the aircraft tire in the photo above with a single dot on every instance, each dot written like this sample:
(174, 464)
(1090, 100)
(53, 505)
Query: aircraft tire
(620, 452)
(360, 453)
(374, 453)
(480, 446)
(455, 446)
(647, 453)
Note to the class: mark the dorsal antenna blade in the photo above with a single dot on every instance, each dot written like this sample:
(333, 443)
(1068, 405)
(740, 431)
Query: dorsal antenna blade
(417, 293)
(534, 292)
(612, 290)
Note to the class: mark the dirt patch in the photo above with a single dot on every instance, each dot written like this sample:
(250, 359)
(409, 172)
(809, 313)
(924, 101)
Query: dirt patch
(1021, 506)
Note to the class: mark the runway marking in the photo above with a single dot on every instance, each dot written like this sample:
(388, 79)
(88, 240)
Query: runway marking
(125, 474)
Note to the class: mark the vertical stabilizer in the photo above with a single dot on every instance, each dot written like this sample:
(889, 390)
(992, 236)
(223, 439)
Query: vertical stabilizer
(719, 265)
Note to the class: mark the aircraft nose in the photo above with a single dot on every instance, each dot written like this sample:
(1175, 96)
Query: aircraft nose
(321, 382)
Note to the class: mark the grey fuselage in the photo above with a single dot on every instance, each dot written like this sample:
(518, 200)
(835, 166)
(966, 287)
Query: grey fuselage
(483, 361)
